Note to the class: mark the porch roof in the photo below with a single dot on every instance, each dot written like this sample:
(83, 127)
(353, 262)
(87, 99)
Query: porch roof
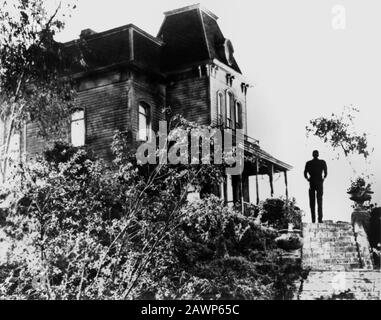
(266, 162)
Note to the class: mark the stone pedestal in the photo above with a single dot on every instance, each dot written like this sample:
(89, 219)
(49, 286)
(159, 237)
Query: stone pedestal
(360, 221)
(360, 217)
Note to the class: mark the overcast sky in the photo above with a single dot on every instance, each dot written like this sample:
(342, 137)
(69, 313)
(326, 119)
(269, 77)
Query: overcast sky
(300, 67)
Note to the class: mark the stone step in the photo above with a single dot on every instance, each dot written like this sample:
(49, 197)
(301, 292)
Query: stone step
(330, 267)
(334, 258)
(327, 231)
(323, 232)
(328, 227)
(326, 223)
(330, 258)
(327, 252)
(318, 227)
(328, 234)
(311, 233)
(330, 246)
(362, 285)
(331, 251)
(323, 242)
(349, 237)
(325, 248)
(325, 295)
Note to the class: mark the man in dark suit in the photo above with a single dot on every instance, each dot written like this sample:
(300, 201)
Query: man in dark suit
(313, 172)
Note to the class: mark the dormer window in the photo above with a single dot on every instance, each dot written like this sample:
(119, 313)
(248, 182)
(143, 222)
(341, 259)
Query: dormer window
(229, 51)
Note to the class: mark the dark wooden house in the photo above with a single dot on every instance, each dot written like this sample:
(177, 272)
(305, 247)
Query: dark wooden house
(125, 77)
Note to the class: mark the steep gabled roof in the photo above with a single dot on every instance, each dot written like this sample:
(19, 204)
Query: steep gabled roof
(191, 35)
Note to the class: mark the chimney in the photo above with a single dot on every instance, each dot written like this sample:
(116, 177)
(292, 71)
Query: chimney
(87, 33)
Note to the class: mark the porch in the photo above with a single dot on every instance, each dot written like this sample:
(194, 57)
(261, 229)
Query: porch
(257, 162)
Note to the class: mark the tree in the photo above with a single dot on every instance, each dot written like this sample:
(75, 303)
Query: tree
(339, 132)
(31, 86)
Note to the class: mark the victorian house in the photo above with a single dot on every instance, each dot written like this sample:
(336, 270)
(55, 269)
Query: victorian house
(125, 77)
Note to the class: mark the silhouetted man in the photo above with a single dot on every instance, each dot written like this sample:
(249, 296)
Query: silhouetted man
(313, 172)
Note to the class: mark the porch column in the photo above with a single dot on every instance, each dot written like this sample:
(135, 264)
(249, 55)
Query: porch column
(286, 183)
(245, 192)
(229, 190)
(222, 191)
(242, 197)
(246, 188)
(271, 177)
(256, 180)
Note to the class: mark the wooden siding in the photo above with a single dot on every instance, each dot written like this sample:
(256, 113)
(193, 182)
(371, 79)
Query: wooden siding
(105, 112)
(190, 98)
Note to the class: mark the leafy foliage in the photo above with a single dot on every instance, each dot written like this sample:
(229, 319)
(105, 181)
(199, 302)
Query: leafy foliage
(278, 213)
(31, 87)
(82, 231)
(338, 131)
(359, 185)
(222, 254)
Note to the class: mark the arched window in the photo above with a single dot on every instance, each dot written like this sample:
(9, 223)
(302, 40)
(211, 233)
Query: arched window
(78, 128)
(230, 110)
(220, 99)
(144, 125)
(238, 116)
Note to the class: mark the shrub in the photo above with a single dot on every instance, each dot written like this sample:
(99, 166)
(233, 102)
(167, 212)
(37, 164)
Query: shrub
(278, 213)
(221, 254)
(81, 231)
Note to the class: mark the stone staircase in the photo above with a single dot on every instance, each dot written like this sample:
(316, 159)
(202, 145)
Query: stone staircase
(340, 268)
(330, 246)
(345, 285)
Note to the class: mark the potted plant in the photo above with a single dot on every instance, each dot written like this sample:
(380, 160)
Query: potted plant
(360, 191)
(290, 239)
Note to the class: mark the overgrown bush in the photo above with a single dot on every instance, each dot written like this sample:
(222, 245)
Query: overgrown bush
(278, 213)
(221, 254)
(79, 230)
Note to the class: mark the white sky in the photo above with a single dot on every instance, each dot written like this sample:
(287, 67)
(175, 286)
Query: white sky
(300, 67)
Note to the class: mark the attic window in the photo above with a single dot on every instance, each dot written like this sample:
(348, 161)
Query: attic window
(229, 51)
